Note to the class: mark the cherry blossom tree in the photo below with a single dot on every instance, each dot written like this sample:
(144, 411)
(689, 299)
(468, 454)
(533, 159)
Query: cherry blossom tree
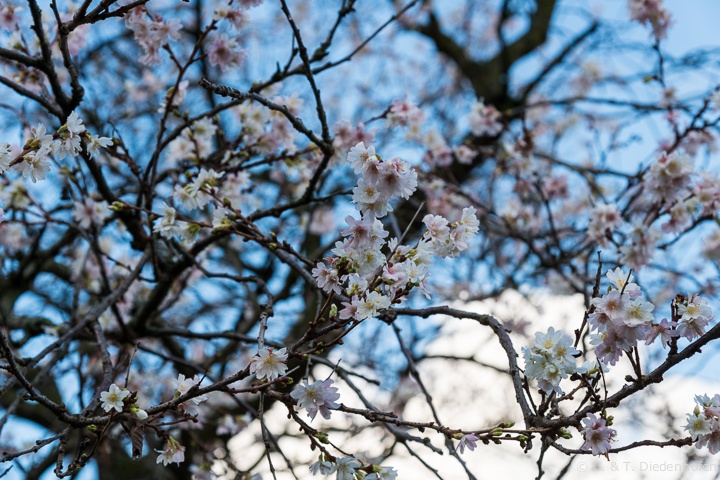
(222, 217)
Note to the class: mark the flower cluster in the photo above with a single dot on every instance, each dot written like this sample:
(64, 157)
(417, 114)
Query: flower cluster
(550, 359)
(695, 315)
(704, 423)
(196, 194)
(406, 114)
(446, 243)
(151, 34)
(348, 469)
(669, 177)
(236, 18)
(90, 212)
(193, 196)
(597, 435)
(372, 279)
(620, 317)
(268, 131)
(223, 52)
(166, 225)
(182, 386)
(172, 453)
(640, 247)
(603, 220)
(196, 141)
(318, 397)
(269, 364)
(9, 18)
(382, 180)
(66, 142)
(652, 12)
(485, 120)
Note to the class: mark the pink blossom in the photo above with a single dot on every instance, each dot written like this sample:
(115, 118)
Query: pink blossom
(223, 52)
(318, 397)
(651, 12)
(597, 435)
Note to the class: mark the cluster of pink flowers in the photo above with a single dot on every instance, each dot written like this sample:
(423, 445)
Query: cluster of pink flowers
(236, 17)
(621, 317)
(669, 177)
(704, 423)
(651, 12)
(640, 246)
(269, 131)
(603, 220)
(439, 152)
(9, 18)
(195, 142)
(372, 279)
(445, 242)
(404, 113)
(151, 34)
(381, 181)
(597, 435)
(485, 120)
(348, 135)
(224, 52)
(90, 212)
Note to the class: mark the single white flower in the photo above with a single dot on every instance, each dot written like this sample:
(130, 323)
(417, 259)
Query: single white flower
(346, 468)
(638, 312)
(323, 466)
(698, 425)
(96, 143)
(113, 398)
(74, 125)
(269, 364)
